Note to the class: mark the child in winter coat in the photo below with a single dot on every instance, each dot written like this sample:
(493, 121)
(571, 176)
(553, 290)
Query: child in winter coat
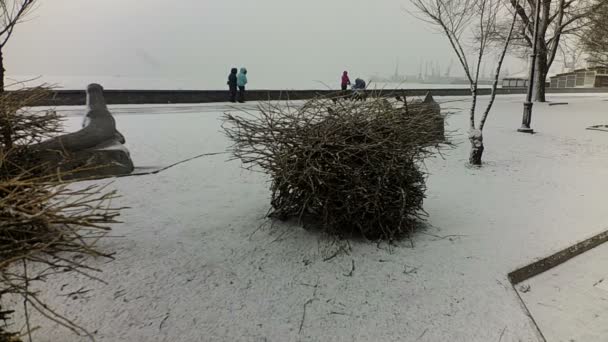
(241, 82)
(232, 84)
(345, 81)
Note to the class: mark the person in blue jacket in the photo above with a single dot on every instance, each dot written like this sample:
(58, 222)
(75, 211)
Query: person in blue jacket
(241, 81)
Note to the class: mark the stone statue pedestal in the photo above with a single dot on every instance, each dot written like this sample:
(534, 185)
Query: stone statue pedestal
(104, 162)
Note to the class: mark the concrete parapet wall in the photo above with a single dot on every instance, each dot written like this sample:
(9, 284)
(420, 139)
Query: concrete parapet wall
(77, 97)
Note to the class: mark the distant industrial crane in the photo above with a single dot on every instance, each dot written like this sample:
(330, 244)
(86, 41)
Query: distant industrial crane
(448, 71)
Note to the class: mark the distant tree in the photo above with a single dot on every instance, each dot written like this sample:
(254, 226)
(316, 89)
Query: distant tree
(571, 53)
(557, 19)
(461, 21)
(594, 37)
(12, 12)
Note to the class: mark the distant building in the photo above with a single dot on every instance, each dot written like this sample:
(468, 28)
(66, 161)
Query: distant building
(517, 82)
(514, 82)
(582, 78)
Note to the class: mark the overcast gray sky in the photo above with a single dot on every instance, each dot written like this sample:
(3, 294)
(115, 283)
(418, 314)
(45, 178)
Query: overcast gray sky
(281, 42)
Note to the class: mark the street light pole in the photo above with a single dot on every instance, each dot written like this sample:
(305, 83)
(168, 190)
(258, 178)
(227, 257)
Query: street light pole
(527, 118)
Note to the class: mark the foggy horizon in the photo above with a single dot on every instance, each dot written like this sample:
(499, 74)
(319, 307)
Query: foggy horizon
(284, 44)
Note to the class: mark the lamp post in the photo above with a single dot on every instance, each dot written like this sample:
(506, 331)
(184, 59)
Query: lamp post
(527, 118)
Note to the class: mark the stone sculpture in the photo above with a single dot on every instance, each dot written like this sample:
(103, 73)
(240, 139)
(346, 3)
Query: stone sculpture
(96, 150)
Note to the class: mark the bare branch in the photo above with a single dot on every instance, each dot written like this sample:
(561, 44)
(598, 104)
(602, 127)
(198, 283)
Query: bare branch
(497, 74)
(12, 16)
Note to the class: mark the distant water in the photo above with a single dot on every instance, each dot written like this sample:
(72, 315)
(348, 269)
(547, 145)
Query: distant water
(119, 82)
(408, 85)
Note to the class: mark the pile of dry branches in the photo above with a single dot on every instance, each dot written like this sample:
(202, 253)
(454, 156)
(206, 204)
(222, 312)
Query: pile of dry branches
(21, 128)
(46, 226)
(353, 166)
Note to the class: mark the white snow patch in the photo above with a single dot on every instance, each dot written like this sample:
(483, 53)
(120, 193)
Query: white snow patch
(475, 134)
(193, 249)
(570, 302)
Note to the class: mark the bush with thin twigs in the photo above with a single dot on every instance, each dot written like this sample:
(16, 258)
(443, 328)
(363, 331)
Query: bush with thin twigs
(21, 128)
(353, 166)
(46, 226)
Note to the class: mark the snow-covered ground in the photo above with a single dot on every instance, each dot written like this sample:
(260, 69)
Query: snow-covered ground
(196, 263)
(570, 302)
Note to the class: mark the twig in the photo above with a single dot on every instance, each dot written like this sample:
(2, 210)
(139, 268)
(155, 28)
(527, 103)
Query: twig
(171, 166)
(443, 237)
(57, 318)
(308, 302)
(333, 255)
(160, 327)
(422, 335)
(80, 291)
(25, 308)
(352, 270)
(411, 271)
(304, 314)
(309, 285)
(256, 230)
(502, 334)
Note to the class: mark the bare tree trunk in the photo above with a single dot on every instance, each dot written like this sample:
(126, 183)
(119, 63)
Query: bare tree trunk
(473, 107)
(5, 127)
(540, 76)
(2, 70)
(542, 54)
(476, 139)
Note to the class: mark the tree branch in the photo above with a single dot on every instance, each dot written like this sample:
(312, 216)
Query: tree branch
(10, 19)
(528, 25)
(553, 43)
(503, 53)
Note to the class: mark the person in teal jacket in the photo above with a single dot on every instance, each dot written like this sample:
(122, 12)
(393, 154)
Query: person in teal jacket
(241, 81)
